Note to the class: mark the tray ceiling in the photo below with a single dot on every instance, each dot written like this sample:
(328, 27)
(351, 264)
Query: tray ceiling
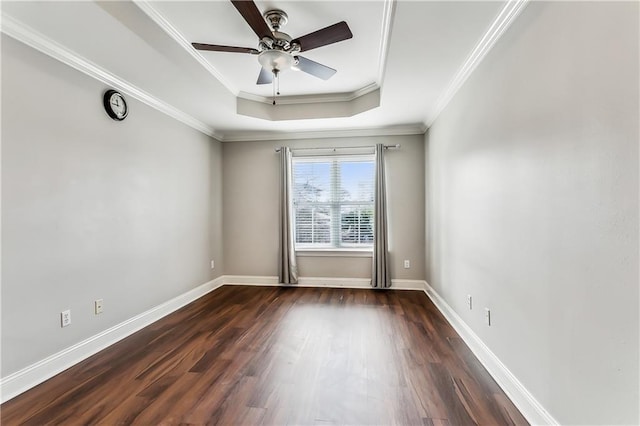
(416, 53)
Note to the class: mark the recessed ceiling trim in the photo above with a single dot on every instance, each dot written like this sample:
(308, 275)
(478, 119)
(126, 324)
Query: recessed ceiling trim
(163, 23)
(505, 18)
(409, 129)
(32, 38)
(279, 112)
(312, 99)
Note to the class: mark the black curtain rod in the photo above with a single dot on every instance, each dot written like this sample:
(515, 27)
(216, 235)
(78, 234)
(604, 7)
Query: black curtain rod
(396, 146)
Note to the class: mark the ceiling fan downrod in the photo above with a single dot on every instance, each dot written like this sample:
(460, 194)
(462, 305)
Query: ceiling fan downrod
(276, 18)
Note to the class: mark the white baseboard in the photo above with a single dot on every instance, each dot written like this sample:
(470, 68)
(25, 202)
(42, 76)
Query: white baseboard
(250, 280)
(396, 284)
(30, 376)
(302, 281)
(334, 282)
(530, 408)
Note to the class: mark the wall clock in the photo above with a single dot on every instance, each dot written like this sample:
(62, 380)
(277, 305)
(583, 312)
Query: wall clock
(115, 105)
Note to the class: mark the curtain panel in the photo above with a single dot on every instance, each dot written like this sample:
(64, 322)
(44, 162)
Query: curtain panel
(380, 274)
(287, 265)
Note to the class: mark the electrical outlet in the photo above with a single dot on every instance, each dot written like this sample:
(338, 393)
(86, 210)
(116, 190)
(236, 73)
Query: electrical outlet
(407, 264)
(65, 318)
(487, 316)
(469, 302)
(98, 306)
(213, 265)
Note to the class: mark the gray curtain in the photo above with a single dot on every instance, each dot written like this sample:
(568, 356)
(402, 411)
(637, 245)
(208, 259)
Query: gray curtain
(380, 274)
(287, 265)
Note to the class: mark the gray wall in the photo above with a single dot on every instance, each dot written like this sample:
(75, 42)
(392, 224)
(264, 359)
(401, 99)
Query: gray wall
(532, 180)
(250, 204)
(92, 208)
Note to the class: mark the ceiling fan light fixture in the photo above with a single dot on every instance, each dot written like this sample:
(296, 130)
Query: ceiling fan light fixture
(277, 51)
(275, 60)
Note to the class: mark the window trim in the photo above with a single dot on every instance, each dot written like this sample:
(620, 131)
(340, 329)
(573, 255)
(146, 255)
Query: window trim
(311, 249)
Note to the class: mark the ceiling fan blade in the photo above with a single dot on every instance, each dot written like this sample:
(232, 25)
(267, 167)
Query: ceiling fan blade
(218, 48)
(331, 34)
(314, 68)
(252, 15)
(265, 77)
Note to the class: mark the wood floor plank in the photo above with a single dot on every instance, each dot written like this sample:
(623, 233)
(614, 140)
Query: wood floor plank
(276, 356)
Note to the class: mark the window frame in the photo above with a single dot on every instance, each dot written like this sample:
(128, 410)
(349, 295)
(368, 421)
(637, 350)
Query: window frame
(335, 205)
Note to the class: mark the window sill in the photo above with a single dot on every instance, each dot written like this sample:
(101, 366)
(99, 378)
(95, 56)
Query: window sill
(334, 253)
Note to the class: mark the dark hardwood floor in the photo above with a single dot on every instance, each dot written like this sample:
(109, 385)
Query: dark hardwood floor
(275, 356)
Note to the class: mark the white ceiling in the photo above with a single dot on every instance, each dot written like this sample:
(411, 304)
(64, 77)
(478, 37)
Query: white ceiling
(416, 52)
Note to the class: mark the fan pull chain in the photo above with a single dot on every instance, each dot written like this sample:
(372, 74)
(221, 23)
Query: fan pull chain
(275, 85)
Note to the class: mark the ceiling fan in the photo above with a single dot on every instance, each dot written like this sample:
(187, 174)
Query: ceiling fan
(276, 50)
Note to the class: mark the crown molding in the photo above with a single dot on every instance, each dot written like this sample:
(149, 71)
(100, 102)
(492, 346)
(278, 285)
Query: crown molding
(388, 14)
(409, 129)
(505, 18)
(163, 23)
(32, 38)
(308, 111)
(312, 99)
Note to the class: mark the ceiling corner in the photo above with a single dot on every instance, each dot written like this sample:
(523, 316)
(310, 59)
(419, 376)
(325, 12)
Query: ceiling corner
(503, 20)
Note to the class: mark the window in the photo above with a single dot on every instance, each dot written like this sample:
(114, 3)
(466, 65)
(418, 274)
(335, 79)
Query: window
(333, 202)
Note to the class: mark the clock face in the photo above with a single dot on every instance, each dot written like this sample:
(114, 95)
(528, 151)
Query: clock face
(115, 105)
(118, 105)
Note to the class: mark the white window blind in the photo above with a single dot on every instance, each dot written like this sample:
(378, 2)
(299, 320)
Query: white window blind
(333, 201)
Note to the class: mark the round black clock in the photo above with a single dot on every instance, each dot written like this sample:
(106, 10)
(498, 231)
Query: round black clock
(115, 105)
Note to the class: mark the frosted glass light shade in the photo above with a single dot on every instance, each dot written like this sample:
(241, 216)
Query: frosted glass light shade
(275, 60)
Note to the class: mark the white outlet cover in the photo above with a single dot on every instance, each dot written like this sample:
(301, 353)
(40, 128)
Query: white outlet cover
(65, 318)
